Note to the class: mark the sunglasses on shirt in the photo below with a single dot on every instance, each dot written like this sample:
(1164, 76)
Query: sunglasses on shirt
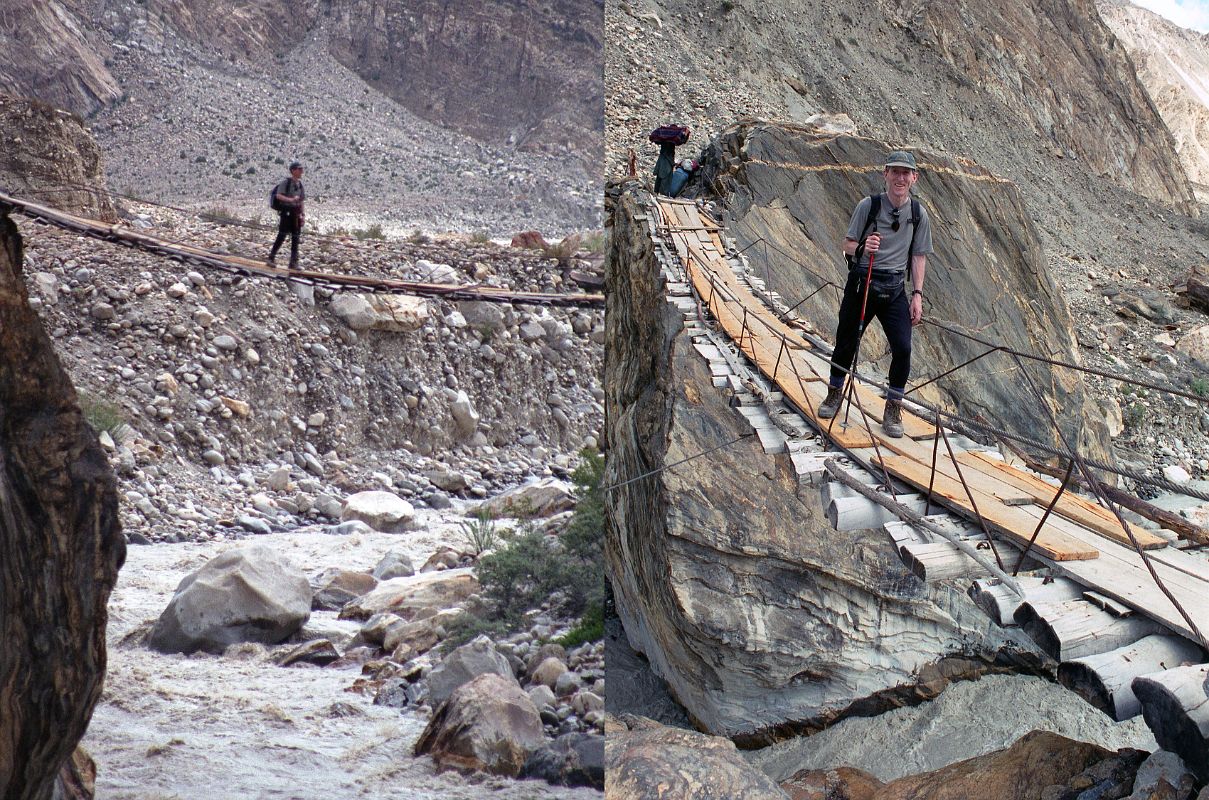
(894, 216)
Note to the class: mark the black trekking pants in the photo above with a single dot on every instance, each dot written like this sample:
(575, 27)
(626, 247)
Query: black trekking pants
(889, 303)
(290, 223)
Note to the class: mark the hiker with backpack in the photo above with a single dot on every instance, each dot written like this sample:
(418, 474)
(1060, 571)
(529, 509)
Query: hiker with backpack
(888, 242)
(287, 200)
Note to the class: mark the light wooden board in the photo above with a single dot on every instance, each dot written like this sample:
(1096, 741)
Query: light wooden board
(1007, 520)
(1071, 506)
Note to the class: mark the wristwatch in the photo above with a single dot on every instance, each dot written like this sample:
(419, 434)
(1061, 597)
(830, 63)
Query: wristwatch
(918, 292)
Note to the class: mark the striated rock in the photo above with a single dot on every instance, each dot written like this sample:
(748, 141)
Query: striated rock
(573, 759)
(61, 546)
(648, 761)
(757, 613)
(407, 596)
(487, 725)
(382, 511)
(477, 657)
(247, 594)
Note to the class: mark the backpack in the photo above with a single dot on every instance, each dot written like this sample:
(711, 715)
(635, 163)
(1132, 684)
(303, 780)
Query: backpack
(670, 134)
(875, 205)
(273, 202)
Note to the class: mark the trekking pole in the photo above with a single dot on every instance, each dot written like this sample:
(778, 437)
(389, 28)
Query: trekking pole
(860, 332)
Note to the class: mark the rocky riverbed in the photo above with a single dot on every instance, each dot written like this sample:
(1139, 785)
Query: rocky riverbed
(179, 725)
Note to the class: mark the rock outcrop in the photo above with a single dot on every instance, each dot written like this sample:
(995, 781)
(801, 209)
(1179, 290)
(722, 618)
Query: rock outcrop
(60, 547)
(48, 155)
(988, 277)
(758, 615)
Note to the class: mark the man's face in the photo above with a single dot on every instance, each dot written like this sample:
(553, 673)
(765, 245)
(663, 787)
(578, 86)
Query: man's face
(900, 179)
(296, 173)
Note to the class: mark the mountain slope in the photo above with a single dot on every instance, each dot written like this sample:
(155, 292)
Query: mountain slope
(1173, 65)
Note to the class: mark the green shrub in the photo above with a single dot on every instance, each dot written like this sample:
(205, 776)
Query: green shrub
(532, 568)
(589, 629)
(1200, 386)
(480, 237)
(594, 242)
(103, 416)
(1134, 414)
(480, 532)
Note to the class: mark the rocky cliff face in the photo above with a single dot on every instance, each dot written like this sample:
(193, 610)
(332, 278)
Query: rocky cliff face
(761, 618)
(49, 156)
(1173, 64)
(60, 547)
(52, 51)
(795, 191)
(524, 71)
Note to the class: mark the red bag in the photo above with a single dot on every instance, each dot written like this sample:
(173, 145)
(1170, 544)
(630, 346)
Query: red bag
(670, 134)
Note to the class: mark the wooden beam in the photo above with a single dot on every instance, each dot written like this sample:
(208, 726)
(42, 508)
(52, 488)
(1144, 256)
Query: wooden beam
(1176, 708)
(1105, 680)
(1075, 628)
(1001, 603)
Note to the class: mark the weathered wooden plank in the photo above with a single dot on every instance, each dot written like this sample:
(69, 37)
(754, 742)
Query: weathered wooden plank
(1007, 520)
(858, 513)
(1071, 506)
(872, 401)
(1075, 628)
(1104, 680)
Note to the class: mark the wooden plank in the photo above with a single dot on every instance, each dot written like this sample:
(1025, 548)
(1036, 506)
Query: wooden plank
(1071, 506)
(872, 401)
(1007, 520)
(939, 561)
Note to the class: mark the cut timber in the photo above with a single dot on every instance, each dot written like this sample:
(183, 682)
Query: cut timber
(1104, 680)
(1075, 628)
(1010, 521)
(1176, 709)
(1001, 604)
(871, 400)
(858, 512)
(1071, 506)
(940, 561)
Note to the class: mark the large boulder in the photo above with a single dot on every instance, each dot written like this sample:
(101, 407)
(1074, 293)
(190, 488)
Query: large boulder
(248, 594)
(542, 498)
(487, 725)
(399, 313)
(573, 759)
(1038, 760)
(408, 596)
(761, 617)
(333, 587)
(382, 511)
(475, 658)
(649, 761)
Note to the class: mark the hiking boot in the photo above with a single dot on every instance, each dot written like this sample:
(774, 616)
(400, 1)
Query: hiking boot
(892, 419)
(830, 405)
(272, 259)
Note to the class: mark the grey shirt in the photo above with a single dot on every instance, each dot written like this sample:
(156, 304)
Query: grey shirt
(892, 255)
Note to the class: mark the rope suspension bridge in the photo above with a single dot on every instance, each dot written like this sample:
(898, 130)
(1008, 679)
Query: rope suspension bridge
(1123, 610)
(247, 267)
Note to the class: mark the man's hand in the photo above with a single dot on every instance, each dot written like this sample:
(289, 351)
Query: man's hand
(917, 309)
(873, 243)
